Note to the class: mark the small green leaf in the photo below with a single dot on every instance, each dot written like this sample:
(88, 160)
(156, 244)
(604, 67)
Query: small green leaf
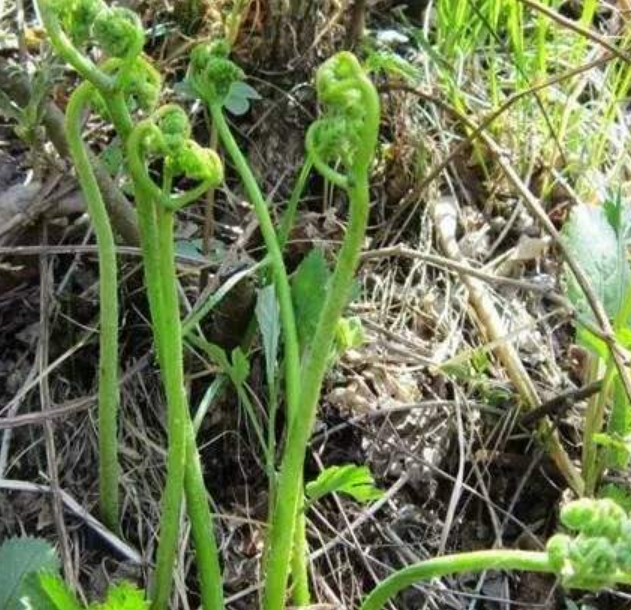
(238, 99)
(268, 318)
(20, 557)
(349, 479)
(240, 367)
(349, 334)
(219, 356)
(309, 286)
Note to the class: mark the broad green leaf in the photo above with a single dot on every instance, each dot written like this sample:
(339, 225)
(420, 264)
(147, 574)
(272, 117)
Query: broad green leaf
(309, 286)
(349, 479)
(20, 557)
(268, 318)
(240, 367)
(594, 244)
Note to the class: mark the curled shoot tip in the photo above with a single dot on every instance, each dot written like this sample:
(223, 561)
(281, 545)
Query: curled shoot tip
(166, 135)
(598, 555)
(119, 32)
(212, 73)
(347, 131)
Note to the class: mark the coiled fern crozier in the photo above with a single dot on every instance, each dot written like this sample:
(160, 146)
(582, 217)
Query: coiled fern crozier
(348, 134)
(123, 83)
(596, 556)
(166, 135)
(341, 146)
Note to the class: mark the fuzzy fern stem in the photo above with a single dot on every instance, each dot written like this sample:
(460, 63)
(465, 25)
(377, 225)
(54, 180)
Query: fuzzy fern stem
(108, 297)
(183, 468)
(354, 105)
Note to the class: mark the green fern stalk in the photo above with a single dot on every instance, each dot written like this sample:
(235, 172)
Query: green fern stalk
(348, 134)
(108, 402)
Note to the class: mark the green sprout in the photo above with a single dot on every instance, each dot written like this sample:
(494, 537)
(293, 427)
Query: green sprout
(596, 556)
(166, 135)
(352, 112)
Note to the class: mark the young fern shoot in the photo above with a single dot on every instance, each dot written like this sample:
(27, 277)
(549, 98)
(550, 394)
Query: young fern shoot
(212, 74)
(166, 134)
(123, 82)
(347, 133)
(108, 299)
(597, 556)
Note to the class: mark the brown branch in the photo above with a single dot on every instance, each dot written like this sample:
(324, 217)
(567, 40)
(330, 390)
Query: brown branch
(123, 216)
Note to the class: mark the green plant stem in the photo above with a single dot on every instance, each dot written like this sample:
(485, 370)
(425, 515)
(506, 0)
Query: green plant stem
(290, 488)
(595, 415)
(281, 279)
(64, 47)
(156, 227)
(173, 372)
(474, 562)
(289, 217)
(283, 292)
(108, 298)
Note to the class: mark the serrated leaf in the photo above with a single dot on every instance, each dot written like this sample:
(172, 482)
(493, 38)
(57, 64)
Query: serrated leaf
(594, 244)
(123, 596)
(268, 318)
(309, 286)
(20, 557)
(349, 479)
(48, 591)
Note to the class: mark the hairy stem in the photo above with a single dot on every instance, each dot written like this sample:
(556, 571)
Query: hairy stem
(184, 469)
(476, 561)
(64, 47)
(290, 484)
(108, 298)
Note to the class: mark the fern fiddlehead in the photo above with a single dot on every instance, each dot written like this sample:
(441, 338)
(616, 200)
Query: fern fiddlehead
(126, 81)
(166, 134)
(348, 132)
(594, 557)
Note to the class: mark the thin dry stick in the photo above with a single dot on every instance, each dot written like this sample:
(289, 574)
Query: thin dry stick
(577, 28)
(49, 432)
(535, 208)
(476, 130)
(445, 219)
(128, 552)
